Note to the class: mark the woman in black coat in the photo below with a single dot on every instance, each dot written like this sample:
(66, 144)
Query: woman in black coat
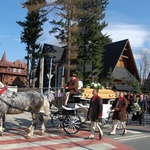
(95, 114)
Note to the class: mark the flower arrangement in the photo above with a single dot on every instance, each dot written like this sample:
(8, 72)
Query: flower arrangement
(95, 85)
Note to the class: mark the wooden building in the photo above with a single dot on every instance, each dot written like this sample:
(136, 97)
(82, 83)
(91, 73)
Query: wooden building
(119, 58)
(13, 73)
(117, 55)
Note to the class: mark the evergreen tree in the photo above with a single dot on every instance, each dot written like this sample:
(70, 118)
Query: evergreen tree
(136, 88)
(91, 40)
(32, 30)
(110, 78)
(66, 29)
(146, 86)
(80, 25)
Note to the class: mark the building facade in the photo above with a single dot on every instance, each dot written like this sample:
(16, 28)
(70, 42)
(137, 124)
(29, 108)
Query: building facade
(13, 73)
(117, 56)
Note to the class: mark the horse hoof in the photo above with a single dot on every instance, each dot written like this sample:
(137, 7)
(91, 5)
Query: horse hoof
(27, 130)
(27, 137)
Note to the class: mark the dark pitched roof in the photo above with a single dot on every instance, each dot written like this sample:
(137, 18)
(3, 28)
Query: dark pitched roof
(58, 51)
(59, 57)
(122, 73)
(122, 87)
(111, 55)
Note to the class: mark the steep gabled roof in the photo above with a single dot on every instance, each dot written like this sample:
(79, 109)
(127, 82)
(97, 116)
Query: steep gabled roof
(58, 56)
(112, 54)
(3, 57)
(58, 51)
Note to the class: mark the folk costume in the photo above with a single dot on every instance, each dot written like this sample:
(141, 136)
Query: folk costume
(95, 115)
(119, 106)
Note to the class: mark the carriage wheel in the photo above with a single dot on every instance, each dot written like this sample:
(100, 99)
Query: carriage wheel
(57, 120)
(82, 113)
(71, 124)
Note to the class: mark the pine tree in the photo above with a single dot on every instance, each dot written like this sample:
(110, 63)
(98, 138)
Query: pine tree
(91, 40)
(32, 30)
(66, 30)
(136, 88)
(110, 78)
(79, 28)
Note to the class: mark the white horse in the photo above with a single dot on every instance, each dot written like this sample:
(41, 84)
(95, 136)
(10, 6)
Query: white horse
(16, 103)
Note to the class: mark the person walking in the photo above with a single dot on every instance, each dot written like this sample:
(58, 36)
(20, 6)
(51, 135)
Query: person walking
(130, 100)
(119, 106)
(142, 104)
(95, 114)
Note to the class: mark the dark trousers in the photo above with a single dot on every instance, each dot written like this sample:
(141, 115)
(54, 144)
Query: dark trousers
(141, 118)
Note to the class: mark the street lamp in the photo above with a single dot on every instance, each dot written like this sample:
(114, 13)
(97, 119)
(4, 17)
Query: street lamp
(51, 55)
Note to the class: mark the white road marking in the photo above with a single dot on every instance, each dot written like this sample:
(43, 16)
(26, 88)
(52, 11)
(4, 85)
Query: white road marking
(132, 137)
(101, 146)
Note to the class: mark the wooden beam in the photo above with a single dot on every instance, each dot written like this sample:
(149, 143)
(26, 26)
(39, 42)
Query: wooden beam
(125, 56)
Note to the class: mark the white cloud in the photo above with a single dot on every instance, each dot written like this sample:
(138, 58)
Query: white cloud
(137, 35)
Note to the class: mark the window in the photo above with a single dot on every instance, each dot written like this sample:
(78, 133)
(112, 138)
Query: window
(19, 70)
(14, 69)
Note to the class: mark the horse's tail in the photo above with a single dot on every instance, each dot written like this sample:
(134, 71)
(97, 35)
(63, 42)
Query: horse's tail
(45, 107)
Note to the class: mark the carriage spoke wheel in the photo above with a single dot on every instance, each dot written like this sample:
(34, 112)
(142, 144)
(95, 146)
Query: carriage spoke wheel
(71, 124)
(57, 120)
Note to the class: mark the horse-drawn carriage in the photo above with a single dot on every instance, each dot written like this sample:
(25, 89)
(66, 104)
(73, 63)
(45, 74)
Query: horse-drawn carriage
(70, 118)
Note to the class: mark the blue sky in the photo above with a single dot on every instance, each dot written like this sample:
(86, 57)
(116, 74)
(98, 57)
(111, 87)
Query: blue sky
(127, 19)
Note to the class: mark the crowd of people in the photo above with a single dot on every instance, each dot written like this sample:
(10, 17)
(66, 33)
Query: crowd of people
(138, 105)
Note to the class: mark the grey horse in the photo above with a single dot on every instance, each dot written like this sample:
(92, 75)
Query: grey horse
(19, 102)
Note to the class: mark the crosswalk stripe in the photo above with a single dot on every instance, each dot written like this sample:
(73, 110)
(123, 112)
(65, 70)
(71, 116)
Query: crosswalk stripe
(133, 138)
(17, 137)
(53, 139)
(130, 136)
(101, 146)
(134, 132)
(52, 143)
(37, 143)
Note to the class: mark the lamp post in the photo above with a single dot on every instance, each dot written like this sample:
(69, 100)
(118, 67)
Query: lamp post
(51, 55)
(50, 72)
